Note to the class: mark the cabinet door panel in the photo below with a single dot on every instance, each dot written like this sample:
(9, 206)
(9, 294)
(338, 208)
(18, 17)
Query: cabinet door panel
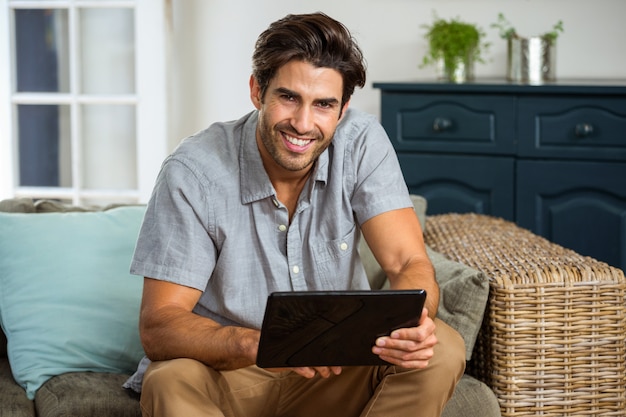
(579, 205)
(461, 184)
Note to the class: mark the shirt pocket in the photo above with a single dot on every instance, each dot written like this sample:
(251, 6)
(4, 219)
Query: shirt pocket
(335, 262)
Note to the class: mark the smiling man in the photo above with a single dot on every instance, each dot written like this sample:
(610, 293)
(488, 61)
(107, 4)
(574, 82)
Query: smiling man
(278, 201)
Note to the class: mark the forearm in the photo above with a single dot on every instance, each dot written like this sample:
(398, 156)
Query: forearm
(418, 273)
(171, 332)
(395, 238)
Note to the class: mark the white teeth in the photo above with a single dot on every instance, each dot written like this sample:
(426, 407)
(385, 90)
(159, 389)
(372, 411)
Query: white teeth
(296, 141)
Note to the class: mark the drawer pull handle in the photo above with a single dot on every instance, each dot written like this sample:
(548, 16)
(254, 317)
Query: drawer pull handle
(583, 130)
(441, 124)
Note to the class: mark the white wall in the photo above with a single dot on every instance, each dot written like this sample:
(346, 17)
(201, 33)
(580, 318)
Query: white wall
(213, 42)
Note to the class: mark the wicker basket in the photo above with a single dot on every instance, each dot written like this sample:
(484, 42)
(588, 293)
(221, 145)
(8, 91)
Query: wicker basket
(553, 338)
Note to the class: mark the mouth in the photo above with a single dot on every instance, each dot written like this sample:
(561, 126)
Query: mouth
(297, 144)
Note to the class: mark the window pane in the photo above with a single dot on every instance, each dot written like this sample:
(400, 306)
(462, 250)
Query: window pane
(109, 147)
(44, 145)
(41, 49)
(107, 51)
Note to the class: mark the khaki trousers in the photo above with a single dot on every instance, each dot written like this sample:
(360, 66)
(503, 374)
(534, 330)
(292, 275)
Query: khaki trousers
(188, 388)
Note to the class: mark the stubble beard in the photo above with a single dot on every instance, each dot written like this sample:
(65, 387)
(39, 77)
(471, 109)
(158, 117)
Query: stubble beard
(271, 138)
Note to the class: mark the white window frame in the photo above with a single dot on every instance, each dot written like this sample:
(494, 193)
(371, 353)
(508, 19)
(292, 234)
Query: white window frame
(150, 100)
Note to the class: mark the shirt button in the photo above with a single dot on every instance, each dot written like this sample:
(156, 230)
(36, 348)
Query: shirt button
(343, 246)
(295, 269)
(282, 227)
(275, 202)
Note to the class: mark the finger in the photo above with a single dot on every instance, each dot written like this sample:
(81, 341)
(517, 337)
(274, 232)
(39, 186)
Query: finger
(407, 364)
(406, 350)
(323, 371)
(419, 333)
(336, 370)
(406, 358)
(400, 351)
(327, 371)
(305, 372)
(405, 345)
(409, 339)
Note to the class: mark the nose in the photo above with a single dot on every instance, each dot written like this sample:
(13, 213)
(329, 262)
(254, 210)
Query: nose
(303, 120)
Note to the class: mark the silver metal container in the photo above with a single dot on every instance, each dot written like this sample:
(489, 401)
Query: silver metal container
(531, 60)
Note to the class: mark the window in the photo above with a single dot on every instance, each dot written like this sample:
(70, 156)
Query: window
(83, 112)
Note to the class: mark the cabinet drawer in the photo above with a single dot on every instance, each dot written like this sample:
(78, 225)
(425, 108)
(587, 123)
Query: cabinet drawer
(450, 123)
(580, 128)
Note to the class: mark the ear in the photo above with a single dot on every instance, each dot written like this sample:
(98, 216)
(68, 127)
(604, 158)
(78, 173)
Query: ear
(255, 92)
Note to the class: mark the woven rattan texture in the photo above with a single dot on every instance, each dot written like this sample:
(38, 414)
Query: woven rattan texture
(553, 337)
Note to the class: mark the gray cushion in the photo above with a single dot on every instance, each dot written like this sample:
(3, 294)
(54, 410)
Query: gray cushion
(27, 205)
(86, 394)
(17, 205)
(463, 293)
(13, 400)
(472, 398)
(463, 290)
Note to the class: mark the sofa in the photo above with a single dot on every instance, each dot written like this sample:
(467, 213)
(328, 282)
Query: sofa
(69, 311)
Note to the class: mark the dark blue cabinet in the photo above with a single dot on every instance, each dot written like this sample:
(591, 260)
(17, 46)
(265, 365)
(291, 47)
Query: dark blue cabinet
(550, 157)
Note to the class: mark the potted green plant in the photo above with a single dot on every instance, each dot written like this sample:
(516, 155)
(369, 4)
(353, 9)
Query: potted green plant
(454, 47)
(529, 59)
(507, 31)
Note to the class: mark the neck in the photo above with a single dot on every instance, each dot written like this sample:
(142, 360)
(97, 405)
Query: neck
(289, 187)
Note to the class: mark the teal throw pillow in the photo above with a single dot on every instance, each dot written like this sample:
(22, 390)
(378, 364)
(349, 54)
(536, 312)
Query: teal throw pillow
(67, 300)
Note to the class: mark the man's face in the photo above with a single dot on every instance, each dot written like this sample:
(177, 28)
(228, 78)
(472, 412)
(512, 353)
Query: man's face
(298, 115)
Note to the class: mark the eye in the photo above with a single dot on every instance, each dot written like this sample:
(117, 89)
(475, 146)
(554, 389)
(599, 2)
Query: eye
(327, 104)
(288, 97)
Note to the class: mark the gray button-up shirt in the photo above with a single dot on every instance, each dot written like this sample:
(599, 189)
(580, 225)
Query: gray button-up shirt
(214, 222)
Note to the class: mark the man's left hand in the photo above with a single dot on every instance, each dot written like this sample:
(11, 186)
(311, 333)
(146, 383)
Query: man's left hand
(410, 347)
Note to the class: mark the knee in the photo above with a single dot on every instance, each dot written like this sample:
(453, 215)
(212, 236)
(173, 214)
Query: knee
(450, 350)
(177, 387)
(164, 375)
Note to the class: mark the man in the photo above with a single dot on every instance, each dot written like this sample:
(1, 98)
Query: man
(276, 201)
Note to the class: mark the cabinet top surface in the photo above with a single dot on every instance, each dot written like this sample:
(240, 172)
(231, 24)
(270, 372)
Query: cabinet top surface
(500, 85)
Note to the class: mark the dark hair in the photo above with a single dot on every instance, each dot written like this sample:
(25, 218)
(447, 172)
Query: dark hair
(314, 38)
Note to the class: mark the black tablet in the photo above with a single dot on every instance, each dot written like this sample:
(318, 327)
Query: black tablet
(338, 328)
